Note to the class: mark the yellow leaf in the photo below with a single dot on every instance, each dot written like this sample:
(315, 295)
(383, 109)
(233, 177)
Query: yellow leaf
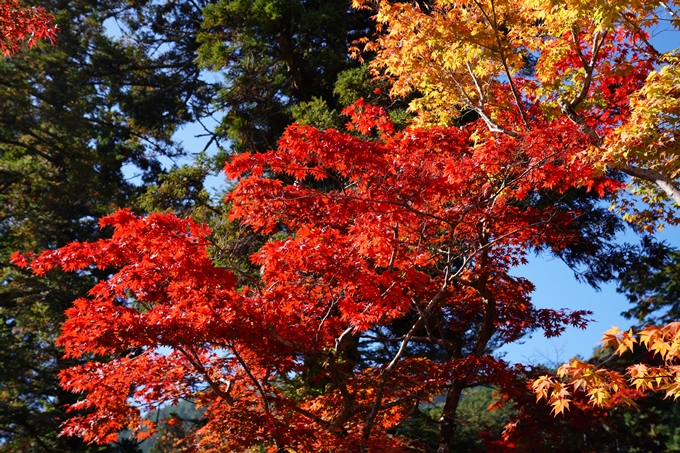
(559, 405)
(599, 396)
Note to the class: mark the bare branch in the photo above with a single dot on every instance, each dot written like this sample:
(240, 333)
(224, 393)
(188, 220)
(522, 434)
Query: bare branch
(246, 368)
(195, 361)
(641, 36)
(588, 66)
(280, 339)
(339, 343)
(670, 10)
(575, 118)
(493, 22)
(396, 246)
(493, 127)
(476, 82)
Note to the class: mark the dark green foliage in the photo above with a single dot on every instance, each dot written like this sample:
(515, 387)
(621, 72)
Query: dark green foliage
(75, 120)
(356, 83)
(182, 190)
(275, 54)
(477, 422)
(316, 113)
(480, 421)
(653, 284)
(351, 85)
(655, 427)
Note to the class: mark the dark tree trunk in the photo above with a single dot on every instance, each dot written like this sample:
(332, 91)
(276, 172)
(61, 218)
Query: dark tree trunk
(447, 422)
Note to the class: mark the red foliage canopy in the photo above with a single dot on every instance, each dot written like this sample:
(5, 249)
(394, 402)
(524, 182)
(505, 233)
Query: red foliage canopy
(19, 24)
(385, 291)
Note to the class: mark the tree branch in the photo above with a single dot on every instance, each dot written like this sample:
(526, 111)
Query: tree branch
(370, 419)
(194, 360)
(665, 183)
(246, 368)
(575, 118)
(588, 66)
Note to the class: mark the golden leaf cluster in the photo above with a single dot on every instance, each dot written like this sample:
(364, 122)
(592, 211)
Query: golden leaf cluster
(602, 385)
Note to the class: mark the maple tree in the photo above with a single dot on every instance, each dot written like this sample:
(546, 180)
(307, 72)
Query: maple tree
(591, 63)
(420, 230)
(19, 24)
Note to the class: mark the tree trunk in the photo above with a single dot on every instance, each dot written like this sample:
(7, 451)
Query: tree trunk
(447, 422)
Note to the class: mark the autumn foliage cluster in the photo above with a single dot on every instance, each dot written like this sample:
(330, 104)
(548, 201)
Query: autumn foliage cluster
(604, 387)
(20, 24)
(420, 227)
(386, 280)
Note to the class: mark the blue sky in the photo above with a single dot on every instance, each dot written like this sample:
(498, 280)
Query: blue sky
(556, 287)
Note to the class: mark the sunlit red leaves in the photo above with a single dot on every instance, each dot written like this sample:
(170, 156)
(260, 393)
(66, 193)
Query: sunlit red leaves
(365, 117)
(162, 291)
(418, 180)
(321, 266)
(162, 279)
(153, 379)
(412, 225)
(377, 235)
(19, 23)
